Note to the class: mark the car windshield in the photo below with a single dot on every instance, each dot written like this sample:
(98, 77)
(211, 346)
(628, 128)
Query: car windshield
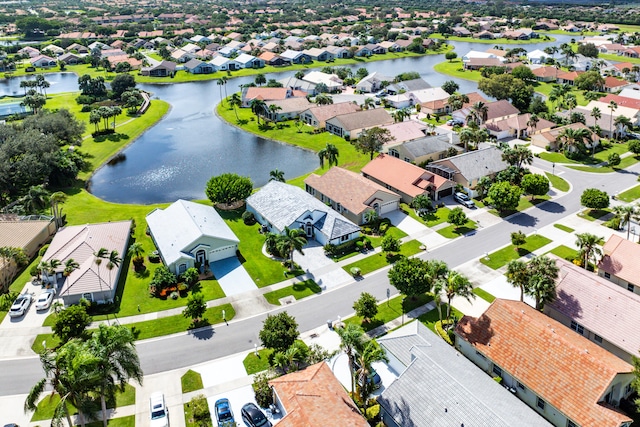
(224, 414)
(43, 298)
(157, 414)
(260, 420)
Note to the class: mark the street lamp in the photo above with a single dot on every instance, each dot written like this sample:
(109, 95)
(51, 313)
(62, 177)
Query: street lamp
(403, 298)
(553, 168)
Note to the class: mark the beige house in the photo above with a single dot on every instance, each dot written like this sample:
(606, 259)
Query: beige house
(620, 263)
(351, 194)
(549, 139)
(317, 115)
(352, 124)
(423, 149)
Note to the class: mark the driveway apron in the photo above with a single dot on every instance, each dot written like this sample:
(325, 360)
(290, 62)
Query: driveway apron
(232, 276)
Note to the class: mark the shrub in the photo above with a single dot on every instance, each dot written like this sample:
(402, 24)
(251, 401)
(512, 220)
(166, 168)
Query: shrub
(201, 413)
(383, 228)
(42, 250)
(262, 390)
(154, 257)
(174, 295)
(498, 380)
(34, 270)
(440, 330)
(248, 218)
(373, 413)
(355, 271)
(182, 287)
(86, 109)
(85, 100)
(329, 249)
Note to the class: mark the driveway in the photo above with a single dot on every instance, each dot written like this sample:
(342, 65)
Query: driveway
(324, 271)
(232, 276)
(405, 223)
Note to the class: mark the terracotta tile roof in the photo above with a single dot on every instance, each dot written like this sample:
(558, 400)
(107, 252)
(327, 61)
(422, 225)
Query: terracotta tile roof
(314, 397)
(571, 75)
(325, 112)
(622, 65)
(267, 93)
(546, 72)
(562, 367)
(621, 259)
(622, 101)
(350, 189)
(518, 122)
(406, 177)
(612, 82)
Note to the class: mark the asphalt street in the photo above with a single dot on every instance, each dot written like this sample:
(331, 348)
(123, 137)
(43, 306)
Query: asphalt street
(167, 353)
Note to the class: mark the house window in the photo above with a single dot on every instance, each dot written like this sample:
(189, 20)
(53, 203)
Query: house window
(480, 354)
(630, 287)
(577, 327)
(597, 338)
(344, 238)
(497, 370)
(571, 424)
(182, 268)
(408, 160)
(393, 152)
(339, 207)
(607, 275)
(540, 403)
(521, 386)
(88, 296)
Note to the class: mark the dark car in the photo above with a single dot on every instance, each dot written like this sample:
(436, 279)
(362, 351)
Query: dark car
(224, 415)
(373, 378)
(253, 416)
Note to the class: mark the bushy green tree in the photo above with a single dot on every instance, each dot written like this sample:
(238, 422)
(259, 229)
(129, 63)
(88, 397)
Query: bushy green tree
(366, 306)
(228, 188)
(593, 198)
(504, 196)
(457, 217)
(196, 307)
(72, 322)
(279, 331)
(535, 185)
(411, 276)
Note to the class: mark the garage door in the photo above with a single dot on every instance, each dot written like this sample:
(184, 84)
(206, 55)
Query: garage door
(444, 193)
(222, 253)
(388, 207)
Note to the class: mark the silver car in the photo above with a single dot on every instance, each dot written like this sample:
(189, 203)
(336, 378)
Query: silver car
(464, 200)
(45, 299)
(20, 305)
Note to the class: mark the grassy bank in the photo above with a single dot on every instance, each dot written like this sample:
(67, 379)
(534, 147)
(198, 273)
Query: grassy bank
(497, 41)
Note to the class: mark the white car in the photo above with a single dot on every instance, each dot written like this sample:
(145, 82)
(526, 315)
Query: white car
(159, 412)
(463, 199)
(45, 299)
(20, 305)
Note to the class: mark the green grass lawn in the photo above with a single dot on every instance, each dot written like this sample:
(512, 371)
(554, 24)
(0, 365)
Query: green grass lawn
(554, 157)
(392, 231)
(490, 41)
(564, 228)
(188, 416)
(456, 69)
(429, 319)
(624, 163)
(379, 260)
(502, 256)
(630, 195)
(451, 231)
(298, 291)
(432, 219)
(484, 295)
(254, 364)
(565, 252)
(557, 182)
(191, 381)
(593, 214)
(129, 421)
(391, 310)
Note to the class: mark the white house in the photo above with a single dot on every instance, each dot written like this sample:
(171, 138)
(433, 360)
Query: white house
(187, 233)
(537, 57)
(221, 63)
(249, 61)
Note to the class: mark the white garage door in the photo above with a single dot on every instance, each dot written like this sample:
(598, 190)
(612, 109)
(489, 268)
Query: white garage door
(388, 207)
(222, 253)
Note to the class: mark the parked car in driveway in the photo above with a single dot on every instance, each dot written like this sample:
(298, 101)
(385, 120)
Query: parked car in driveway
(224, 415)
(373, 378)
(20, 305)
(44, 300)
(454, 122)
(464, 200)
(253, 416)
(159, 413)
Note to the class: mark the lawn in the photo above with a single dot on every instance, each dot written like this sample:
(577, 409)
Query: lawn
(298, 291)
(455, 68)
(554, 157)
(557, 182)
(502, 256)
(630, 195)
(432, 219)
(430, 318)
(484, 295)
(452, 231)
(624, 163)
(391, 310)
(593, 214)
(254, 364)
(188, 416)
(564, 228)
(191, 381)
(379, 260)
(565, 252)
(490, 41)
(129, 421)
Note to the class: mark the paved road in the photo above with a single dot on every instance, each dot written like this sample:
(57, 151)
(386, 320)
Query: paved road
(167, 353)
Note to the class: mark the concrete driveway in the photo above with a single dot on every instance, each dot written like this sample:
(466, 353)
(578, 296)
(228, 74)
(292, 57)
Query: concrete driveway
(232, 276)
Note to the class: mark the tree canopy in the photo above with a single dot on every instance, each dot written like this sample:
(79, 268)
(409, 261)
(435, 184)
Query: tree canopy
(593, 198)
(228, 188)
(411, 276)
(372, 140)
(279, 331)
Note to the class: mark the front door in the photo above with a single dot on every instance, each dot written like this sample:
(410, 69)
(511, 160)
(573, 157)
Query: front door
(309, 230)
(201, 256)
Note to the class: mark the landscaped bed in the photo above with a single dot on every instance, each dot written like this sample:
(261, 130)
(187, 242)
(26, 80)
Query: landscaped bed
(298, 290)
(387, 311)
(379, 260)
(502, 257)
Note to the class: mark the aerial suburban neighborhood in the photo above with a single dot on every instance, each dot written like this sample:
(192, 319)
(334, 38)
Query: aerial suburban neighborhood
(393, 214)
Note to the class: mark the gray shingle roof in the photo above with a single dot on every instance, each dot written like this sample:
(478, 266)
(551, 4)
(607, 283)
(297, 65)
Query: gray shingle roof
(442, 388)
(363, 119)
(283, 205)
(476, 164)
(431, 144)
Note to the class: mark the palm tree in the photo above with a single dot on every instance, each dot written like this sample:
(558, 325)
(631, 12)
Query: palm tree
(571, 102)
(532, 123)
(588, 245)
(368, 353)
(291, 241)
(117, 361)
(258, 107)
(323, 99)
(114, 260)
(622, 124)
(36, 199)
(276, 175)
(624, 213)
(571, 138)
(457, 285)
(49, 268)
(543, 273)
(456, 102)
(467, 135)
(329, 153)
(70, 266)
(101, 254)
(517, 275)
(235, 101)
(351, 338)
(135, 251)
(220, 83)
(56, 199)
(480, 111)
(596, 114)
(613, 106)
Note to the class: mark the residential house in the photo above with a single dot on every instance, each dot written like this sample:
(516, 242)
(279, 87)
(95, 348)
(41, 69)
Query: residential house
(195, 66)
(29, 50)
(286, 109)
(537, 56)
(317, 115)
(550, 139)
(249, 61)
(90, 281)
(437, 387)
(43, 61)
(467, 168)
(546, 74)
(461, 32)
(134, 64)
(478, 63)
(389, 46)
(163, 69)
(182, 56)
(475, 54)
(372, 82)
(517, 126)
(295, 57)
(363, 51)
(331, 81)
(351, 194)
(318, 54)
(406, 179)
(77, 48)
(338, 51)
(187, 233)
(278, 206)
(633, 114)
(425, 148)
(496, 110)
(273, 59)
(314, 397)
(407, 86)
(424, 96)
(294, 83)
(350, 125)
(265, 94)
(227, 51)
(563, 376)
(620, 263)
(568, 77)
(407, 130)
(612, 84)
(70, 58)
(52, 50)
(598, 309)
(222, 63)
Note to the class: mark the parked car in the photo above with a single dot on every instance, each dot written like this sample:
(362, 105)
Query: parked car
(253, 416)
(464, 200)
(45, 299)
(159, 413)
(20, 305)
(224, 415)
(454, 122)
(381, 94)
(373, 378)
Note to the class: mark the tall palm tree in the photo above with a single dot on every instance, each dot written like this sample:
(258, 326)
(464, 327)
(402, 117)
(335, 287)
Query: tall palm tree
(368, 353)
(457, 285)
(36, 199)
(622, 124)
(56, 199)
(541, 285)
(517, 275)
(235, 101)
(467, 135)
(351, 338)
(70, 266)
(624, 213)
(135, 251)
(276, 175)
(100, 255)
(258, 106)
(220, 83)
(329, 153)
(291, 241)
(613, 106)
(456, 101)
(117, 361)
(532, 123)
(588, 245)
(571, 139)
(480, 111)
(273, 112)
(114, 260)
(596, 114)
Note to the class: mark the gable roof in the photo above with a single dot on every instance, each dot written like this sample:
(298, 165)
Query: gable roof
(406, 177)
(267, 93)
(476, 164)
(621, 259)
(518, 122)
(432, 144)
(363, 119)
(348, 188)
(438, 377)
(599, 305)
(534, 349)
(548, 71)
(283, 204)
(291, 105)
(181, 224)
(325, 112)
(314, 397)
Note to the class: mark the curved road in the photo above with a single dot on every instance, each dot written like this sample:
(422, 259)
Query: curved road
(167, 353)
